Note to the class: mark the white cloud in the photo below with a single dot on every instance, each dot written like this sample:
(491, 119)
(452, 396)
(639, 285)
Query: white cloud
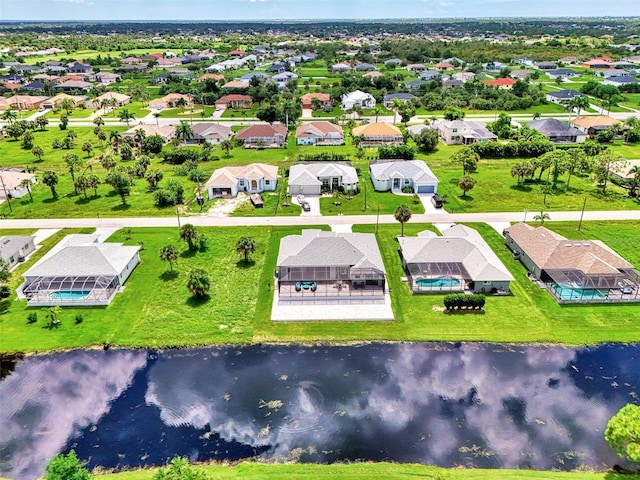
(77, 2)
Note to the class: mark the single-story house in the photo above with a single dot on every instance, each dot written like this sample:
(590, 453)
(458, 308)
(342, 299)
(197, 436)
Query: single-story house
(624, 170)
(10, 182)
(612, 72)
(598, 63)
(74, 85)
(330, 264)
(21, 102)
(393, 61)
(314, 178)
(431, 75)
(452, 83)
(263, 135)
(620, 80)
(493, 66)
(116, 100)
(276, 68)
(443, 66)
(387, 101)
(234, 101)
(282, 79)
(557, 131)
(359, 99)
(341, 68)
(464, 132)
(376, 134)
(34, 86)
(236, 84)
(504, 83)
(563, 96)
(14, 248)
(171, 100)
(573, 271)
(464, 76)
(167, 132)
(595, 124)
(210, 76)
(547, 65)
(520, 74)
(324, 99)
(458, 260)
(414, 84)
(562, 73)
(365, 67)
(319, 133)
(395, 175)
(107, 78)
(79, 270)
(253, 178)
(54, 102)
(213, 133)
(416, 67)
(372, 75)
(80, 68)
(251, 75)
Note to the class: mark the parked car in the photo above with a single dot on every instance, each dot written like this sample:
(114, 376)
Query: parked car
(300, 199)
(436, 200)
(305, 206)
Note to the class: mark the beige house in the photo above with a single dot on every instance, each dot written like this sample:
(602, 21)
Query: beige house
(167, 132)
(375, 134)
(171, 100)
(253, 178)
(54, 102)
(114, 99)
(10, 183)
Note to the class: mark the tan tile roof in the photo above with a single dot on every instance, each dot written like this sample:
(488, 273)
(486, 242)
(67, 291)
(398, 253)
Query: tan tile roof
(587, 122)
(322, 127)
(551, 251)
(236, 84)
(308, 97)
(262, 130)
(377, 130)
(228, 176)
(164, 131)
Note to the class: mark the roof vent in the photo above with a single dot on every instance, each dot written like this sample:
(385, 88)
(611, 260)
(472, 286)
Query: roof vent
(586, 244)
(567, 245)
(577, 244)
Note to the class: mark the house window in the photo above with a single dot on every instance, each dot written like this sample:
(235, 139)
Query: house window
(486, 282)
(343, 273)
(242, 183)
(406, 181)
(11, 260)
(455, 130)
(267, 182)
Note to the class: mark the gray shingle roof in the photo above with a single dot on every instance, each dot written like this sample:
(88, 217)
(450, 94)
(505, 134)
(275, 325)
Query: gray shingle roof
(414, 169)
(552, 127)
(11, 244)
(308, 174)
(315, 248)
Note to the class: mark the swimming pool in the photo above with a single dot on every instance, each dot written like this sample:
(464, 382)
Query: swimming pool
(69, 294)
(567, 292)
(438, 282)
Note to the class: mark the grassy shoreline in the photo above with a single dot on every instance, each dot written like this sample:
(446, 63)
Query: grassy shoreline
(362, 471)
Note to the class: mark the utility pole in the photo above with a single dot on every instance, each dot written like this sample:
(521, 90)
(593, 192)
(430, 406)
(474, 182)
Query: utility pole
(178, 213)
(6, 195)
(584, 204)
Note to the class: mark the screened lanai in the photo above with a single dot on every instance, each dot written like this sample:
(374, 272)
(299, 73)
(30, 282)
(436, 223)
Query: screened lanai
(69, 290)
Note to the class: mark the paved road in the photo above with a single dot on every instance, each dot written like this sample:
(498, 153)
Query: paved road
(203, 220)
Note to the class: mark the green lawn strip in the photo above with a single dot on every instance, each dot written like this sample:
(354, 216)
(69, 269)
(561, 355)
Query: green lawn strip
(155, 309)
(368, 471)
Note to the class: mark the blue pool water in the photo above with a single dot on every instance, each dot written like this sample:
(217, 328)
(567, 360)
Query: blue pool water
(69, 294)
(571, 293)
(438, 282)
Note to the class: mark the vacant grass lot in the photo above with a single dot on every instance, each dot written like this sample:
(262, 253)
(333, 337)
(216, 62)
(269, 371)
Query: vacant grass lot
(369, 471)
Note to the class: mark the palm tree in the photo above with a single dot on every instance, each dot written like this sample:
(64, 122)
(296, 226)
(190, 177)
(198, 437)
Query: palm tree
(50, 179)
(92, 182)
(108, 162)
(536, 116)
(115, 138)
(87, 148)
(581, 102)
(37, 152)
(169, 253)
(396, 105)
(10, 116)
(73, 164)
(632, 123)
(402, 215)
(98, 121)
(541, 217)
(245, 246)
(377, 111)
(184, 131)
(189, 234)
(67, 105)
(126, 116)
(41, 122)
(181, 103)
(139, 136)
(156, 116)
(26, 183)
(198, 282)
(81, 183)
(227, 146)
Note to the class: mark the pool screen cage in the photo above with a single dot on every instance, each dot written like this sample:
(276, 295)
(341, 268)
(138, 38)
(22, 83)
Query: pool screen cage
(438, 269)
(99, 289)
(578, 279)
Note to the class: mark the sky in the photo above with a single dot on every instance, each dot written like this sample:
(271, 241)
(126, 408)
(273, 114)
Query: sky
(150, 10)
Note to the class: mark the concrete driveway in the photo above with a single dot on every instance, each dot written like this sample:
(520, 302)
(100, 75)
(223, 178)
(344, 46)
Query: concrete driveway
(428, 206)
(314, 203)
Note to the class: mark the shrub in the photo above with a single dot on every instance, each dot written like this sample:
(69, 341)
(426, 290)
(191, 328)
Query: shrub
(5, 291)
(171, 194)
(32, 317)
(180, 155)
(457, 301)
(526, 149)
(324, 157)
(79, 319)
(404, 152)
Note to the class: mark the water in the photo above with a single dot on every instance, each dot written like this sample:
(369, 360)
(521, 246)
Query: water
(69, 294)
(570, 293)
(438, 282)
(441, 404)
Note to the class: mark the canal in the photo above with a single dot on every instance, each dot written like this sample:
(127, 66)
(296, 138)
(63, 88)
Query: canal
(472, 405)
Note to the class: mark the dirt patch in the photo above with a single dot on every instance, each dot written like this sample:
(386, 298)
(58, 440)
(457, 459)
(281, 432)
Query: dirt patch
(224, 206)
(189, 112)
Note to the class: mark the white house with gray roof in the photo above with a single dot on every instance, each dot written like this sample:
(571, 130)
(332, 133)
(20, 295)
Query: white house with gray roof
(79, 270)
(330, 265)
(314, 178)
(14, 248)
(396, 175)
(464, 132)
(458, 260)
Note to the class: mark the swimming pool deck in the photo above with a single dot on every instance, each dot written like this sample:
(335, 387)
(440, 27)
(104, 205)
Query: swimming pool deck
(348, 309)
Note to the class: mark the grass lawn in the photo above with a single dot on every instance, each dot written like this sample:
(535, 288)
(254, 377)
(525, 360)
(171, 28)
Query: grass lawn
(496, 190)
(77, 113)
(275, 203)
(368, 471)
(242, 113)
(335, 112)
(156, 308)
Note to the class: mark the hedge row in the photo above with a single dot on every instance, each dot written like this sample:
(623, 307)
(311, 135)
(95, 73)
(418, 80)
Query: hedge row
(526, 149)
(324, 157)
(459, 301)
